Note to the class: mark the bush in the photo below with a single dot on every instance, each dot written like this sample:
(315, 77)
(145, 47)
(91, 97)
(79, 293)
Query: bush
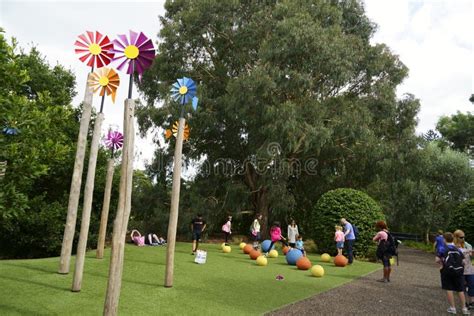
(357, 207)
(462, 218)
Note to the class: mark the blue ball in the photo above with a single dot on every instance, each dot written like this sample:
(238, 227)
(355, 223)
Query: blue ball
(266, 245)
(293, 255)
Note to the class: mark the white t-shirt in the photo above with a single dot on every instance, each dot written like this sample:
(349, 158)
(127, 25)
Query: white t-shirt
(292, 233)
(256, 226)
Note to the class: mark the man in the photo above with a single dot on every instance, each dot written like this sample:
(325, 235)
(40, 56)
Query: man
(198, 225)
(350, 239)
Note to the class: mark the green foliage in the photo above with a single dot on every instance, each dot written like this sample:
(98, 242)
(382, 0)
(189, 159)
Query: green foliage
(355, 206)
(458, 130)
(428, 247)
(462, 218)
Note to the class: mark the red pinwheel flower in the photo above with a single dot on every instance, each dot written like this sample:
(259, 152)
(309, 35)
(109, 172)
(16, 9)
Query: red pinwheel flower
(95, 49)
(136, 52)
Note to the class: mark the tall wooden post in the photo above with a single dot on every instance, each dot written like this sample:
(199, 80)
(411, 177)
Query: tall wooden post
(87, 206)
(123, 214)
(74, 192)
(105, 209)
(173, 221)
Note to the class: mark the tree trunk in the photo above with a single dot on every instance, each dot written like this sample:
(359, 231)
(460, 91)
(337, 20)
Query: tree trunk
(123, 214)
(104, 217)
(87, 206)
(173, 221)
(75, 189)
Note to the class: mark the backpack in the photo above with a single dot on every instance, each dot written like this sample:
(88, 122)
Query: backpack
(391, 245)
(356, 231)
(452, 262)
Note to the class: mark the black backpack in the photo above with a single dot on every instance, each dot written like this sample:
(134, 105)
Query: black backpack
(388, 247)
(453, 262)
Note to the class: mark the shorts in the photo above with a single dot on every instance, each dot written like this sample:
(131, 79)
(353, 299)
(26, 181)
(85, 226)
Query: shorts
(256, 236)
(197, 236)
(470, 284)
(340, 245)
(452, 283)
(386, 262)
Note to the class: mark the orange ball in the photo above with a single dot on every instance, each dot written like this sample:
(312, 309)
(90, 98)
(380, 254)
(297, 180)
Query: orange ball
(247, 249)
(285, 250)
(254, 254)
(303, 263)
(340, 261)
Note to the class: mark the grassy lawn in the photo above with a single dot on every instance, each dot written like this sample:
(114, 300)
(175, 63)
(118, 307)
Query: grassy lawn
(229, 284)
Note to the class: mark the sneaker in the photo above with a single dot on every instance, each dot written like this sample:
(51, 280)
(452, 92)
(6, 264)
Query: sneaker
(465, 311)
(382, 280)
(451, 310)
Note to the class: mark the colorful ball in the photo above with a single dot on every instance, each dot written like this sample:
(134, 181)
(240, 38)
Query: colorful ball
(254, 254)
(242, 245)
(226, 249)
(340, 261)
(223, 245)
(247, 248)
(303, 263)
(317, 271)
(273, 254)
(293, 255)
(266, 245)
(325, 257)
(262, 261)
(285, 250)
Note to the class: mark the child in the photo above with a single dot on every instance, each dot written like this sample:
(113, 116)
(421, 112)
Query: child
(275, 235)
(198, 225)
(300, 245)
(439, 244)
(226, 228)
(255, 230)
(451, 281)
(339, 239)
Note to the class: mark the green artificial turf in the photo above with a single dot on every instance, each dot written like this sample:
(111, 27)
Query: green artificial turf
(229, 284)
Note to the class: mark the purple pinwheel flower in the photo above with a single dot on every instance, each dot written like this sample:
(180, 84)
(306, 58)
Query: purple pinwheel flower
(137, 52)
(114, 140)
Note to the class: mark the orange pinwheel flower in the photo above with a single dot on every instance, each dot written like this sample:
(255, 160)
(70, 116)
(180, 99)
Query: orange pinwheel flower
(106, 80)
(174, 131)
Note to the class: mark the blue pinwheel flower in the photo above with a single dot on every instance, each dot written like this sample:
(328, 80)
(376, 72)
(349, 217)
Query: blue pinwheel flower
(184, 90)
(10, 128)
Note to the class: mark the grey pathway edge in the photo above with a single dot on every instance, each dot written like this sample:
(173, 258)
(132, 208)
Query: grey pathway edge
(415, 289)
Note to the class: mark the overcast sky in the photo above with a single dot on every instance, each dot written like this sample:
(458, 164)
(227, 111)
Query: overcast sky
(432, 37)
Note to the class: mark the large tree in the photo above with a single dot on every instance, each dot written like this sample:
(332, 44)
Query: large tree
(458, 130)
(290, 93)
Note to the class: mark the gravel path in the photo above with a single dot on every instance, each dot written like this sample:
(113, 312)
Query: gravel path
(414, 289)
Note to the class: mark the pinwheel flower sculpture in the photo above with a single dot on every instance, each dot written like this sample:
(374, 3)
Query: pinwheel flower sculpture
(136, 52)
(10, 129)
(106, 80)
(94, 49)
(174, 131)
(184, 90)
(114, 140)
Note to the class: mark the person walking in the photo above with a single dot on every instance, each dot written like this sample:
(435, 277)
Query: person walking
(350, 238)
(198, 225)
(292, 233)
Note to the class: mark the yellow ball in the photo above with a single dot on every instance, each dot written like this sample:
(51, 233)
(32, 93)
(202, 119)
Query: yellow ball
(226, 249)
(242, 245)
(392, 261)
(262, 261)
(317, 271)
(273, 254)
(325, 257)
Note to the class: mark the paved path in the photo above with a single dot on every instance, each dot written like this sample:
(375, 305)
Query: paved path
(414, 290)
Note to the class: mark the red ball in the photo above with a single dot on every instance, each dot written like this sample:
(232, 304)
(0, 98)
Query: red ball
(247, 249)
(303, 263)
(254, 254)
(340, 261)
(285, 250)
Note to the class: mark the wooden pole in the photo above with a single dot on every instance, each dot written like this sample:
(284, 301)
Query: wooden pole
(104, 217)
(87, 206)
(123, 214)
(173, 221)
(74, 192)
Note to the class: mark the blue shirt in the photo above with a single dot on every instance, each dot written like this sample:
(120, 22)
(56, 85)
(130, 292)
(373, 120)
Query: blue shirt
(299, 244)
(350, 235)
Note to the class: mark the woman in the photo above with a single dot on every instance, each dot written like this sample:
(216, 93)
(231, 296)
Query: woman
(466, 249)
(382, 239)
(292, 233)
(255, 230)
(227, 229)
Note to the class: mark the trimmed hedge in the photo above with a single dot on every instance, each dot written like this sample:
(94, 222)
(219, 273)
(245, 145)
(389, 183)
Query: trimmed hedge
(463, 218)
(355, 206)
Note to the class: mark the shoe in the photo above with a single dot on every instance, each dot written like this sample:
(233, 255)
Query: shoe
(193, 253)
(382, 280)
(465, 311)
(471, 306)
(451, 310)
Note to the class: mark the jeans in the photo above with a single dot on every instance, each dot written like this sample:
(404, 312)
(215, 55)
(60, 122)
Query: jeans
(350, 254)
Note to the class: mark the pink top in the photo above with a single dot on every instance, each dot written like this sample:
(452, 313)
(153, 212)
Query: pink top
(275, 233)
(381, 235)
(339, 236)
(226, 227)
